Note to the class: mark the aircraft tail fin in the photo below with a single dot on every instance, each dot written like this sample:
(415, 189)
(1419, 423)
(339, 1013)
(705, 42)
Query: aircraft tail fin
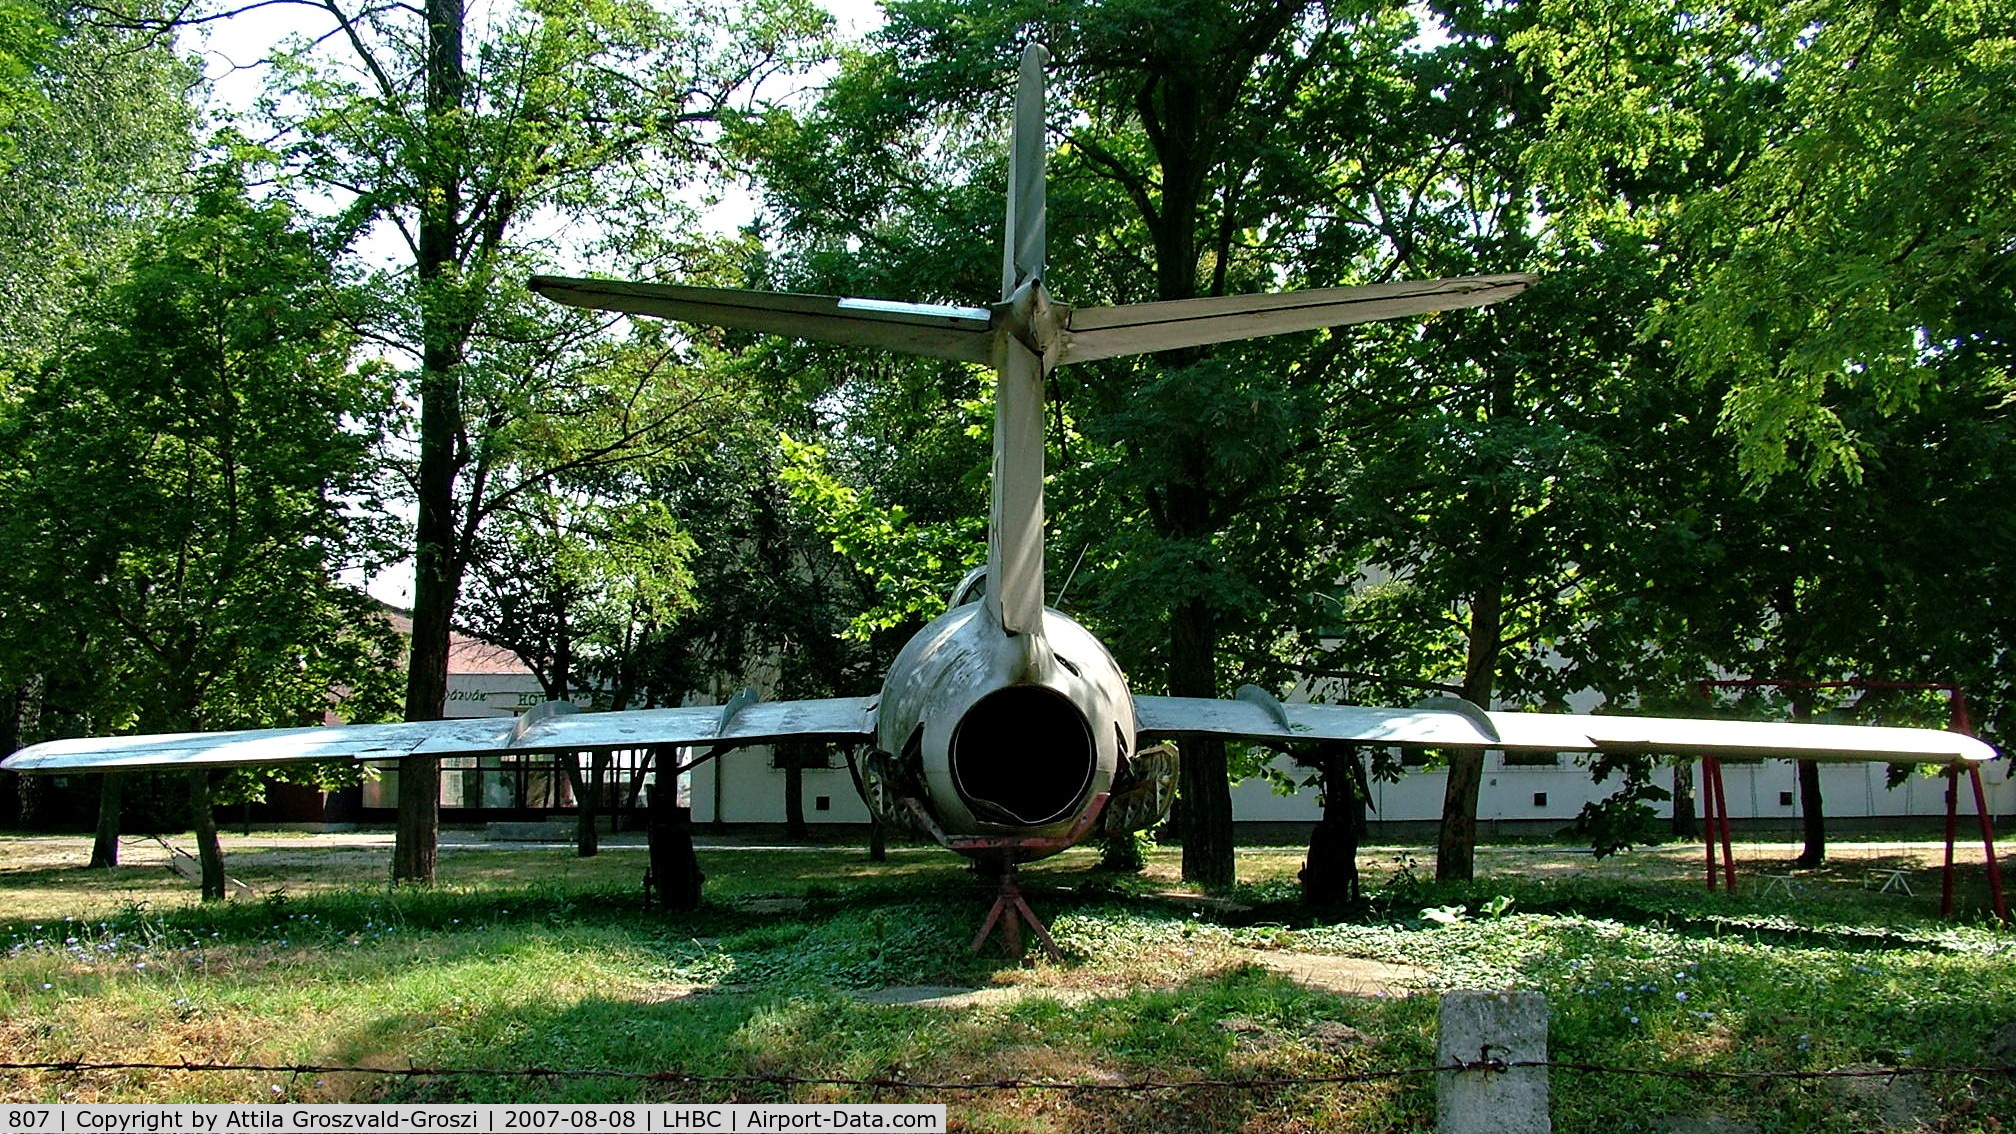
(1024, 255)
(1015, 512)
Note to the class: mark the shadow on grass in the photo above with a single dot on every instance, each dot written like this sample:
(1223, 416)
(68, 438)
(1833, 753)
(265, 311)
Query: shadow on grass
(1835, 915)
(1178, 1033)
(552, 976)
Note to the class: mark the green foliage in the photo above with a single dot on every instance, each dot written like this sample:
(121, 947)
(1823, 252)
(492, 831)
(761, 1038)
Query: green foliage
(1126, 852)
(177, 491)
(95, 132)
(1851, 233)
(770, 598)
(1625, 818)
(574, 563)
(913, 565)
(569, 586)
(26, 33)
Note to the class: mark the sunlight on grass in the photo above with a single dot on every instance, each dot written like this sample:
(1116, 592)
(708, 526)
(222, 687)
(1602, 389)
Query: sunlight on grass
(534, 958)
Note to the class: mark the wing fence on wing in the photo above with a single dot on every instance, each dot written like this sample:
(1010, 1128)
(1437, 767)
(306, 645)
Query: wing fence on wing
(1465, 726)
(739, 724)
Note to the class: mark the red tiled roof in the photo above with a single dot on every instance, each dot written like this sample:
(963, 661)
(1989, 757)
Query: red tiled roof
(465, 654)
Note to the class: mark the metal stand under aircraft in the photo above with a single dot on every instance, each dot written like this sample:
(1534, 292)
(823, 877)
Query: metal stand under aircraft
(1010, 912)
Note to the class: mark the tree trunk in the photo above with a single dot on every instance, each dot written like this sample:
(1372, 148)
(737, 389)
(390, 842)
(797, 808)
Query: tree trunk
(1685, 824)
(794, 796)
(1456, 845)
(1330, 872)
(1183, 139)
(10, 739)
(437, 544)
(416, 838)
(587, 841)
(1206, 818)
(105, 840)
(1812, 814)
(587, 835)
(209, 852)
(675, 869)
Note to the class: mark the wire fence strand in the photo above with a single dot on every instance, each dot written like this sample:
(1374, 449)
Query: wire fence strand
(888, 1083)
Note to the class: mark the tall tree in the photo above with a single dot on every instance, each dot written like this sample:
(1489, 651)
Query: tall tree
(1836, 175)
(451, 143)
(571, 584)
(179, 482)
(105, 115)
(1831, 182)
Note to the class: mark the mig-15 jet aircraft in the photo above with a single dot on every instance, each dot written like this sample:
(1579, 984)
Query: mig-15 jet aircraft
(1005, 730)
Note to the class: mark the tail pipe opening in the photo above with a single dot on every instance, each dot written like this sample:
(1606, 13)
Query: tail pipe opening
(1023, 756)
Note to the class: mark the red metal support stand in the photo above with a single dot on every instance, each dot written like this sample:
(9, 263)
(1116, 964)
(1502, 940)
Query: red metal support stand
(1958, 721)
(1715, 822)
(1722, 807)
(1988, 846)
(1011, 912)
(1708, 828)
(1722, 814)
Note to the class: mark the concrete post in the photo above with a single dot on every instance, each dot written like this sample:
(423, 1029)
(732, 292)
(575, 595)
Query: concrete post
(1480, 1026)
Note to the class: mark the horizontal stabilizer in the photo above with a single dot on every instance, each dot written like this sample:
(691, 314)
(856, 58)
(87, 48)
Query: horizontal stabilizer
(931, 329)
(835, 719)
(1143, 328)
(1468, 727)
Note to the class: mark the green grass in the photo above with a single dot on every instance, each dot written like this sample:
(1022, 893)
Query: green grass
(533, 958)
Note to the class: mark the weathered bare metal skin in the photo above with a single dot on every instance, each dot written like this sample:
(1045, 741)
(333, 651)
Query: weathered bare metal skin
(958, 660)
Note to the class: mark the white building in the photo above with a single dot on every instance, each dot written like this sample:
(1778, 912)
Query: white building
(747, 786)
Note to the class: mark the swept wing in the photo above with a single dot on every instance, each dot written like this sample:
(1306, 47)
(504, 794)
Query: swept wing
(964, 333)
(1450, 722)
(553, 727)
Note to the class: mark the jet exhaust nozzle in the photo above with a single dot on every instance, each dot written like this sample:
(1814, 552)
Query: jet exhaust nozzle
(1023, 755)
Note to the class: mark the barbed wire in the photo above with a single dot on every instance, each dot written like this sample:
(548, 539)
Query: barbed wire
(1982, 1071)
(887, 1083)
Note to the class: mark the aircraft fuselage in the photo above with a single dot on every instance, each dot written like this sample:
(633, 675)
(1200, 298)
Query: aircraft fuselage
(999, 735)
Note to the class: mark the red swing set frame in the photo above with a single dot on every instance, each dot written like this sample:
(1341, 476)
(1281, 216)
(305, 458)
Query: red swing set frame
(1715, 799)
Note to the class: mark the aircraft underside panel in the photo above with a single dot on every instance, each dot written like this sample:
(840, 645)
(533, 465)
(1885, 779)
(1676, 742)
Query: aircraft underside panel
(738, 723)
(1261, 718)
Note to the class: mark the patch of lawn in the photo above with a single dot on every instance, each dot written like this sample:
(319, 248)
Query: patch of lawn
(531, 958)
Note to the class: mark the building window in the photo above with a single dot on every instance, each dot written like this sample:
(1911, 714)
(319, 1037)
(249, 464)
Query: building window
(1532, 759)
(805, 755)
(1539, 799)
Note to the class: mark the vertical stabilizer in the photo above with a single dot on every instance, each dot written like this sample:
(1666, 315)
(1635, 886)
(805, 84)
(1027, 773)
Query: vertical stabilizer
(1015, 520)
(1022, 258)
